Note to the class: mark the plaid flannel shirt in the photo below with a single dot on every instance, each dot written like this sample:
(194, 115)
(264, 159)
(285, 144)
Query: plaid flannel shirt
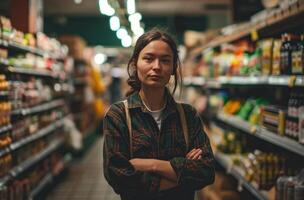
(150, 142)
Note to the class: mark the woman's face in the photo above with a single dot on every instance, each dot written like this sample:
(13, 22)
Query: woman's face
(155, 64)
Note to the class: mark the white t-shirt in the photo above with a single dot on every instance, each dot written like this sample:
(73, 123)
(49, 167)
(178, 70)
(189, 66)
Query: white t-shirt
(156, 114)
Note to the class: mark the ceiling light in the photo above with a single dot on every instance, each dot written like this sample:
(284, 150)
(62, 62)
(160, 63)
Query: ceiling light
(126, 41)
(77, 1)
(135, 17)
(105, 8)
(131, 6)
(114, 23)
(122, 32)
(99, 58)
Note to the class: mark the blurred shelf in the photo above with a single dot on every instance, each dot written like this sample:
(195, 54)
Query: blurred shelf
(284, 80)
(4, 180)
(16, 171)
(237, 173)
(262, 133)
(275, 22)
(46, 180)
(4, 93)
(6, 128)
(4, 151)
(39, 108)
(41, 133)
(33, 50)
(49, 177)
(34, 72)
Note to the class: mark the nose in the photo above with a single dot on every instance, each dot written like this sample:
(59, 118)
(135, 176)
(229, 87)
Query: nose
(156, 64)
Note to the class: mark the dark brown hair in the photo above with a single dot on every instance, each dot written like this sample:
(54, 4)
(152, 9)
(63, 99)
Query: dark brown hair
(144, 40)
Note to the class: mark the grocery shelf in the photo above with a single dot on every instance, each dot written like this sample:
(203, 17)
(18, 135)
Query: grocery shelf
(4, 151)
(276, 18)
(284, 142)
(41, 133)
(195, 81)
(4, 180)
(16, 171)
(33, 50)
(237, 123)
(29, 71)
(4, 93)
(284, 80)
(244, 80)
(46, 180)
(6, 128)
(262, 133)
(39, 108)
(236, 172)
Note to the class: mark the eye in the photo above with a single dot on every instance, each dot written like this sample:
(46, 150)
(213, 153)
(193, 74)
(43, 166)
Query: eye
(148, 59)
(166, 61)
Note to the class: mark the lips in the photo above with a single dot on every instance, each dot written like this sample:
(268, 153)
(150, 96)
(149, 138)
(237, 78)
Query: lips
(155, 76)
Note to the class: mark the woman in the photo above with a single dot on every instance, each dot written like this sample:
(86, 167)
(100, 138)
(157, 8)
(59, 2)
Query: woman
(157, 164)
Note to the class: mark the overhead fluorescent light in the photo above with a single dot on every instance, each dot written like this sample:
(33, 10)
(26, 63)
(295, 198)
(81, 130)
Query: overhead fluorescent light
(99, 58)
(78, 1)
(114, 23)
(131, 6)
(136, 17)
(122, 32)
(126, 41)
(105, 8)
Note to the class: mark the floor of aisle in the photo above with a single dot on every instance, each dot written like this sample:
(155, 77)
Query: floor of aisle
(85, 179)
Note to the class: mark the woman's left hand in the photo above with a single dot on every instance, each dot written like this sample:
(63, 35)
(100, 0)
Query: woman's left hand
(141, 164)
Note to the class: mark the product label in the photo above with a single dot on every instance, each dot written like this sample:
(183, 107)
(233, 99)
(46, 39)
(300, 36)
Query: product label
(296, 61)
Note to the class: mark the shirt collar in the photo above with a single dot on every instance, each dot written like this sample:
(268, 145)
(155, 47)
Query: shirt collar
(134, 101)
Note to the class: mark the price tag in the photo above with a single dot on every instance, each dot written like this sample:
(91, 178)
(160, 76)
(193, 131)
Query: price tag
(292, 81)
(254, 35)
(253, 130)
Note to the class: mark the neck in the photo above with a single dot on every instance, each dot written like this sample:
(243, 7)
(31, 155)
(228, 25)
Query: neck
(154, 100)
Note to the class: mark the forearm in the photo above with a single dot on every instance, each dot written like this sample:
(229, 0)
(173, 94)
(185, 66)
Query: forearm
(164, 169)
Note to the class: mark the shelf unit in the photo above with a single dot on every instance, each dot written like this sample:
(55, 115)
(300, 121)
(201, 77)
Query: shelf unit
(290, 81)
(17, 170)
(262, 133)
(236, 172)
(264, 28)
(53, 145)
(33, 50)
(277, 21)
(41, 133)
(49, 178)
(39, 108)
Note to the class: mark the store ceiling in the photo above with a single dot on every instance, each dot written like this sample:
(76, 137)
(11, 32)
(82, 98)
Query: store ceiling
(146, 7)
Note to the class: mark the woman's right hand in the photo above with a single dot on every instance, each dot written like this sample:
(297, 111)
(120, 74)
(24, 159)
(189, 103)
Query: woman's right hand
(194, 154)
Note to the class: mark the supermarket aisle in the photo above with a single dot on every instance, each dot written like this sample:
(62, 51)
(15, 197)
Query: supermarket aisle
(85, 180)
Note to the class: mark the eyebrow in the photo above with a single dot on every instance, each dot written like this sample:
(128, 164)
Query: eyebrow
(163, 56)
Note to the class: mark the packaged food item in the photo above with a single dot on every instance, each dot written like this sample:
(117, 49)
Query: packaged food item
(267, 51)
(296, 56)
(273, 119)
(276, 57)
(6, 28)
